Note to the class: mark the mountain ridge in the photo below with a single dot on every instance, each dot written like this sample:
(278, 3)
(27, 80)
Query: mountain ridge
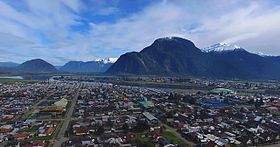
(36, 66)
(85, 67)
(179, 56)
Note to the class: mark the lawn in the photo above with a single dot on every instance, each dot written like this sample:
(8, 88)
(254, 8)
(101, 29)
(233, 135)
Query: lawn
(168, 135)
(32, 129)
(45, 117)
(277, 113)
(142, 140)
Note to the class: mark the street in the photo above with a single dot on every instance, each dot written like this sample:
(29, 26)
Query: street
(60, 139)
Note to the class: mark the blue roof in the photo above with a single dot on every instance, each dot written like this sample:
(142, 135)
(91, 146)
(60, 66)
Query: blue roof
(212, 103)
(146, 102)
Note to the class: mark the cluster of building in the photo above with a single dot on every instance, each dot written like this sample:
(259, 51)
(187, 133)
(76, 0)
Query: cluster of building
(214, 113)
(111, 115)
(217, 117)
(222, 117)
(18, 98)
(30, 129)
(23, 111)
(56, 103)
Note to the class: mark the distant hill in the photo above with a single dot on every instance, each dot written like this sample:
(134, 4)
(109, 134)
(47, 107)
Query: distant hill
(36, 66)
(57, 67)
(85, 67)
(178, 56)
(7, 70)
(41, 66)
(8, 64)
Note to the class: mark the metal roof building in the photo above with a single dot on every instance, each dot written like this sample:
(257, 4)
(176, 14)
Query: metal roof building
(150, 117)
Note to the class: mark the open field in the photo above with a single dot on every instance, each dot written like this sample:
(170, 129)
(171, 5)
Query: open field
(171, 137)
(9, 80)
(143, 140)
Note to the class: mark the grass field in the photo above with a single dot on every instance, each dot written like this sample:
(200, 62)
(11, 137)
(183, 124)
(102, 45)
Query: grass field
(11, 81)
(168, 135)
(142, 140)
(45, 117)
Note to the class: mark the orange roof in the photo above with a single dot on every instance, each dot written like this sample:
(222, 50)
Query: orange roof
(53, 108)
(5, 130)
(21, 135)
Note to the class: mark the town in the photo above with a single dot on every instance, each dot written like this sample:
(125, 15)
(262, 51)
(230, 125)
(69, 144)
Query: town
(93, 111)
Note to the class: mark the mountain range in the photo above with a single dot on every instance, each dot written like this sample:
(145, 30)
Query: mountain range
(176, 56)
(8, 64)
(41, 66)
(96, 66)
(171, 56)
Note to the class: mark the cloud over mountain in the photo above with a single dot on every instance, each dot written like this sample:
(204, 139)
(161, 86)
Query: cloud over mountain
(67, 30)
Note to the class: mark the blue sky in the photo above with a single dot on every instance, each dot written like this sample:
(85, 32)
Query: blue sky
(62, 30)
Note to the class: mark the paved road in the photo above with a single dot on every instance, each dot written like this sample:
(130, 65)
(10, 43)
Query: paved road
(60, 137)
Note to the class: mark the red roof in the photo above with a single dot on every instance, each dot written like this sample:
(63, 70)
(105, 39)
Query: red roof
(37, 144)
(49, 131)
(27, 144)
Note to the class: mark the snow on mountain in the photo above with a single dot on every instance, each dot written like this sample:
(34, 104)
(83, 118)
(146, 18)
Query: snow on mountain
(264, 55)
(107, 60)
(220, 47)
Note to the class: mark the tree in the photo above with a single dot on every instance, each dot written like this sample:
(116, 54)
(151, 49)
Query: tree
(110, 123)
(100, 130)
(141, 126)
(125, 128)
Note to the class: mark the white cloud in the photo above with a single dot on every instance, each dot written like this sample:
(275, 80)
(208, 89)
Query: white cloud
(43, 30)
(236, 24)
(75, 5)
(139, 30)
(42, 20)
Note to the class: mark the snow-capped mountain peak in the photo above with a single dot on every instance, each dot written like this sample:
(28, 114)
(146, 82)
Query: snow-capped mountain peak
(107, 60)
(220, 47)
